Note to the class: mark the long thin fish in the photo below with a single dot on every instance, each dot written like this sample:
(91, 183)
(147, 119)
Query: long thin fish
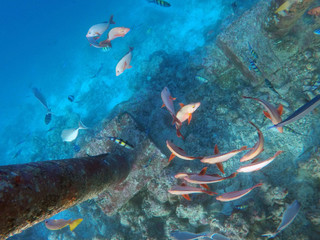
(230, 196)
(287, 218)
(186, 235)
(40, 97)
(300, 112)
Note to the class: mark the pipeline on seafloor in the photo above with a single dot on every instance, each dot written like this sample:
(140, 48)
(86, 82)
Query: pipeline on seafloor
(33, 192)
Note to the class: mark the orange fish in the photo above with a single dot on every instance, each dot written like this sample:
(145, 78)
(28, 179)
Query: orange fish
(124, 63)
(272, 113)
(186, 111)
(202, 178)
(230, 196)
(113, 34)
(218, 158)
(185, 190)
(257, 148)
(179, 152)
(314, 11)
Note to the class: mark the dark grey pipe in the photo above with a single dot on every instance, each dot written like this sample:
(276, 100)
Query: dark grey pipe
(33, 192)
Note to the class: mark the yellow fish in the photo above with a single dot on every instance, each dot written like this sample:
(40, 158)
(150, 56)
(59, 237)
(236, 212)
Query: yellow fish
(285, 6)
(56, 224)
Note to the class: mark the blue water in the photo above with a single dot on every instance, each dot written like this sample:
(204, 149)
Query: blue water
(44, 45)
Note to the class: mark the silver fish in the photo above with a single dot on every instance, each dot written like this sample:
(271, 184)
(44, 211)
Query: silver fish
(300, 112)
(187, 235)
(287, 218)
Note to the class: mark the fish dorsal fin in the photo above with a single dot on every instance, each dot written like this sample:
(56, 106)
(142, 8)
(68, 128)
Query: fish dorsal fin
(181, 105)
(256, 160)
(280, 109)
(220, 166)
(183, 184)
(203, 171)
(267, 114)
(171, 157)
(215, 175)
(186, 196)
(216, 149)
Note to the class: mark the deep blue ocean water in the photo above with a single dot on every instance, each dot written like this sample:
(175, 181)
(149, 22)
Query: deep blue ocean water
(44, 45)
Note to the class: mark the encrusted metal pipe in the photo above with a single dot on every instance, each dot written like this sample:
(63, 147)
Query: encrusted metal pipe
(281, 23)
(33, 192)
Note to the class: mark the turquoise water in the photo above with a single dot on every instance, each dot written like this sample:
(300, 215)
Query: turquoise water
(44, 46)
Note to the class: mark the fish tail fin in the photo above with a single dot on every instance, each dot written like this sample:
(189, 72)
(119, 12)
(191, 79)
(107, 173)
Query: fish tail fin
(179, 133)
(257, 185)
(111, 20)
(130, 49)
(81, 125)
(209, 192)
(232, 175)
(75, 223)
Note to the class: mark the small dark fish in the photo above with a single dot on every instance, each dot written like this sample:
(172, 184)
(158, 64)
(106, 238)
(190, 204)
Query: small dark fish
(252, 52)
(71, 98)
(241, 207)
(76, 147)
(300, 112)
(17, 153)
(47, 118)
(234, 6)
(160, 2)
(40, 97)
(121, 142)
(253, 66)
(269, 85)
(101, 66)
(50, 129)
(287, 218)
(317, 31)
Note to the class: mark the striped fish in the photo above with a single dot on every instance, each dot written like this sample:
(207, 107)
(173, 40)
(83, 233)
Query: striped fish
(252, 52)
(160, 2)
(300, 112)
(253, 66)
(121, 142)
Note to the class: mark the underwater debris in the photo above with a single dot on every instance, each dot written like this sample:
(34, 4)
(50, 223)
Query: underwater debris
(300, 112)
(287, 218)
(57, 224)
